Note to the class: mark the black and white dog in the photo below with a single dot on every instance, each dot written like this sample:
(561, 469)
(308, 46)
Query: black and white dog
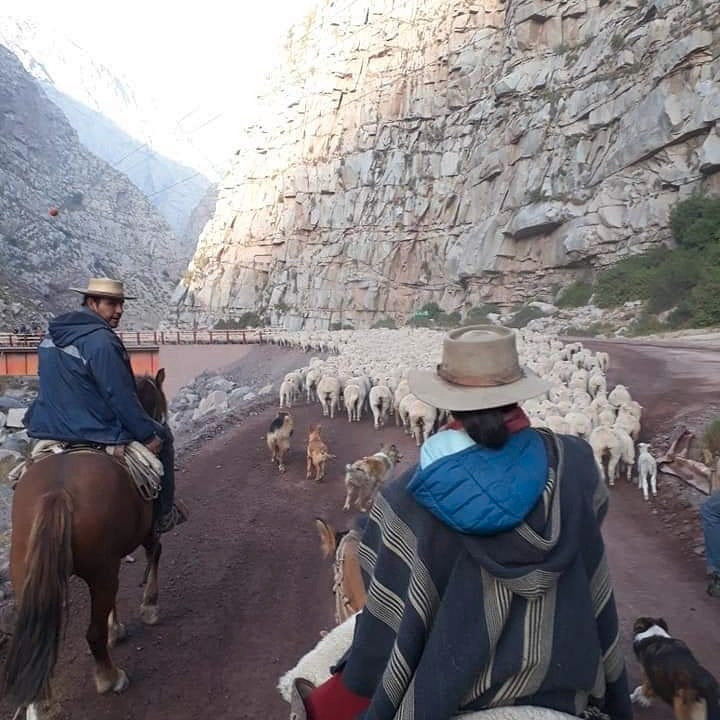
(672, 673)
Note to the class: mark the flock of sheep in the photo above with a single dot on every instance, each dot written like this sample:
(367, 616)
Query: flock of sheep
(366, 371)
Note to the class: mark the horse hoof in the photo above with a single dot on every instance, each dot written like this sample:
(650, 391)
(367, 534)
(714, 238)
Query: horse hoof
(116, 633)
(120, 684)
(150, 614)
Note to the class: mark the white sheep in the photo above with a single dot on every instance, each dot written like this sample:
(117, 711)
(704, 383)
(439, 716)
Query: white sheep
(647, 469)
(627, 449)
(422, 417)
(604, 441)
(619, 395)
(328, 391)
(287, 393)
(352, 397)
(381, 401)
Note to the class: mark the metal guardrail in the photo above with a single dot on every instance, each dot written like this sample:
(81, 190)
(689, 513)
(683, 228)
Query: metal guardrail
(158, 337)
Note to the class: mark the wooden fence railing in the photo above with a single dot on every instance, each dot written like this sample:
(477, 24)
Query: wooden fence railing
(159, 337)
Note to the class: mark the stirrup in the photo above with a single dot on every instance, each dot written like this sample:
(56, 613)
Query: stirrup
(713, 588)
(177, 516)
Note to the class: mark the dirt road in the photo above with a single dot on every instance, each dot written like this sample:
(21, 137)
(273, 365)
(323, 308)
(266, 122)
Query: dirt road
(245, 591)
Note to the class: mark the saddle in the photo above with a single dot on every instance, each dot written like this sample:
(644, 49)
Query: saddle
(143, 467)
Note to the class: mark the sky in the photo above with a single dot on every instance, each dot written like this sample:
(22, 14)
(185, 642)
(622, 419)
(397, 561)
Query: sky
(197, 59)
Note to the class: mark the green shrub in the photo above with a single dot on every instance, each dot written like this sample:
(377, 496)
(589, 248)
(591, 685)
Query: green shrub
(597, 328)
(448, 320)
(673, 279)
(695, 222)
(524, 315)
(711, 437)
(575, 295)
(647, 324)
(629, 279)
(432, 309)
(384, 322)
(478, 315)
(246, 320)
(705, 298)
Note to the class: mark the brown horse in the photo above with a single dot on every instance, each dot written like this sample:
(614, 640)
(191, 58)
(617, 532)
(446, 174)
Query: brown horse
(77, 513)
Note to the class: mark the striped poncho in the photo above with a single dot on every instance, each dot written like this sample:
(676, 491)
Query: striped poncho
(459, 621)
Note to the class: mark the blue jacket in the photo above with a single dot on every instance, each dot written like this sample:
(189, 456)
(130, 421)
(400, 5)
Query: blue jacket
(477, 490)
(87, 388)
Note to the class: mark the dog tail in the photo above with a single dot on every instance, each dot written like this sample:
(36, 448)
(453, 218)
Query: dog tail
(708, 689)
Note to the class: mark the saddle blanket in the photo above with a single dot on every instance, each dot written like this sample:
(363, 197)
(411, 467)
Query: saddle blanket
(144, 467)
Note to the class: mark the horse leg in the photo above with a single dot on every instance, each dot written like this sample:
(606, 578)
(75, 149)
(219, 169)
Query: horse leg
(149, 610)
(103, 589)
(117, 631)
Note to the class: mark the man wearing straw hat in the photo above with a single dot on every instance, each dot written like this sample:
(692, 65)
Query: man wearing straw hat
(485, 567)
(87, 388)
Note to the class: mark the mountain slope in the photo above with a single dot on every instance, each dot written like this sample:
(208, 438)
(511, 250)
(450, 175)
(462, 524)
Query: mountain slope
(111, 121)
(105, 225)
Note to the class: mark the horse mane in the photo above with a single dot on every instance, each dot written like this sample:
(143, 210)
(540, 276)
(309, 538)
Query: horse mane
(152, 397)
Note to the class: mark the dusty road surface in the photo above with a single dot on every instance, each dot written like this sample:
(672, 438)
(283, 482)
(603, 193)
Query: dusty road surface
(245, 591)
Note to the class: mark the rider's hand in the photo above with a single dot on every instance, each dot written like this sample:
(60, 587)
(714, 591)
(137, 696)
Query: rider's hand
(154, 444)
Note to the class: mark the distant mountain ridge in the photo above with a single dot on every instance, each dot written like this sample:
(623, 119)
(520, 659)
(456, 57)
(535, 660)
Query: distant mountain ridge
(112, 121)
(105, 226)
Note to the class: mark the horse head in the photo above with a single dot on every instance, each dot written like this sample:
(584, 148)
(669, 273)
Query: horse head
(152, 396)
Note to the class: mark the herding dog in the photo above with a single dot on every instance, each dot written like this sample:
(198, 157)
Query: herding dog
(672, 673)
(364, 477)
(278, 438)
(317, 454)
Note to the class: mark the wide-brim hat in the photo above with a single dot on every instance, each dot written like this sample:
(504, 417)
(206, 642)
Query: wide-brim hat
(480, 369)
(104, 287)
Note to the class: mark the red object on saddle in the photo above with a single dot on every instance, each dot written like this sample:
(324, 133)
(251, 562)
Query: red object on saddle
(53, 211)
(333, 701)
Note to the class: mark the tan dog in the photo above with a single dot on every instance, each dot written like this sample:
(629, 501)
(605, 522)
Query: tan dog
(317, 454)
(365, 477)
(278, 438)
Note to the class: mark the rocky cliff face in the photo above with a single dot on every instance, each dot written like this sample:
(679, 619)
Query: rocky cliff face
(105, 226)
(199, 217)
(460, 151)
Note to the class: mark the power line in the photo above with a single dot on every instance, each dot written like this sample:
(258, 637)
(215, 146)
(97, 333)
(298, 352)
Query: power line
(179, 182)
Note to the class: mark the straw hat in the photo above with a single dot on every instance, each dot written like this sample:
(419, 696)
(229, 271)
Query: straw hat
(104, 287)
(479, 370)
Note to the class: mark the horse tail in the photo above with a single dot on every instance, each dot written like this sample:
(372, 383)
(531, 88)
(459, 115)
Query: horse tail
(42, 600)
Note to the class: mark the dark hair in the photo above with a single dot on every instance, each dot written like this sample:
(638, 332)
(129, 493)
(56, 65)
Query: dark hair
(486, 427)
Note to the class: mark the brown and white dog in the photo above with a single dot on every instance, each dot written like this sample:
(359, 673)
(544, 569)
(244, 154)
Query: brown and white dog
(364, 477)
(317, 454)
(672, 673)
(278, 438)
